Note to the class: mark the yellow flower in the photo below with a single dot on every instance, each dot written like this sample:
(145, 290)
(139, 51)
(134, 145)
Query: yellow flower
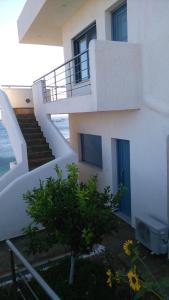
(133, 280)
(109, 272)
(110, 277)
(127, 247)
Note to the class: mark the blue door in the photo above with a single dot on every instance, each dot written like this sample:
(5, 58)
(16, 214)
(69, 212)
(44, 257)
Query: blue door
(123, 175)
(119, 24)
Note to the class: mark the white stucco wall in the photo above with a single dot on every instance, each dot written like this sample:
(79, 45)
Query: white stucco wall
(18, 96)
(147, 128)
(29, 13)
(17, 142)
(148, 150)
(92, 10)
(148, 23)
(13, 216)
(115, 82)
(116, 75)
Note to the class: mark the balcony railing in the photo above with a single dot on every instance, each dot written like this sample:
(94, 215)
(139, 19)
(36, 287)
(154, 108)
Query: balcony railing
(19, 291)
(69, 79)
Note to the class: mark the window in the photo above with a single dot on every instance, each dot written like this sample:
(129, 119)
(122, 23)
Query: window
(91, 149)
(119, 24)
(81, 44)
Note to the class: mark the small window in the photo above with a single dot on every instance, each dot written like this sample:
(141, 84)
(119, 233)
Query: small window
(81, 44)
(91, 149)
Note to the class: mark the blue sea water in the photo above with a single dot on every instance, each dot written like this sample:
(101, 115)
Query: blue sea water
(62, 123)
(6, 152)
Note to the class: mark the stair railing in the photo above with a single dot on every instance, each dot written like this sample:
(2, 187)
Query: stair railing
(16, 139)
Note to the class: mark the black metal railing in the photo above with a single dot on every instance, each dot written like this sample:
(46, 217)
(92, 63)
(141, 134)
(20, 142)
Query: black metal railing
(69, 79)
(24, 276)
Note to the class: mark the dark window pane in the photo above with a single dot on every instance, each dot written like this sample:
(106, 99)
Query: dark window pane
(81, 44)
(119, 24)
(91, 149)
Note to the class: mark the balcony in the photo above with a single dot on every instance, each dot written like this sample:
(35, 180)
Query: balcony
(106, 77)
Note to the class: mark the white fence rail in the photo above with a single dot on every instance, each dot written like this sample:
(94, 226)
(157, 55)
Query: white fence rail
(13, 216)
(16, 139)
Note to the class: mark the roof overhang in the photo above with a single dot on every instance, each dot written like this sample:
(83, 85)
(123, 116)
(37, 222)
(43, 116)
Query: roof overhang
(41, 21)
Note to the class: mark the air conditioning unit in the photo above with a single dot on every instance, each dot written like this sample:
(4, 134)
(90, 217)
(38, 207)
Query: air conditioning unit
(152, 234)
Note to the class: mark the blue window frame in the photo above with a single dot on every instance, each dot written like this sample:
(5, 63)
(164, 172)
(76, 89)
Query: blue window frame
(119, 24)
(91, 149)
(81, 44)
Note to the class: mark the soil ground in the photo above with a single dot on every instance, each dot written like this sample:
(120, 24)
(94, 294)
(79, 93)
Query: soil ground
(159, 264)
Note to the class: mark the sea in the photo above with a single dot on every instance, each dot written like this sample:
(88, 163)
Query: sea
(6, 152)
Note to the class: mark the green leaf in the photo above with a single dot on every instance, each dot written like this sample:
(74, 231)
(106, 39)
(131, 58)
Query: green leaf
(139, 294)
(73, 213)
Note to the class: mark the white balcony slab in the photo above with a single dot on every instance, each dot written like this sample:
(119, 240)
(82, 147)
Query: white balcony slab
(41, 21)
(116, 75)
(115, 81)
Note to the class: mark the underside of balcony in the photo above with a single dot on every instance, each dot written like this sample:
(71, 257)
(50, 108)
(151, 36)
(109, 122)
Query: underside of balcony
(41, 21)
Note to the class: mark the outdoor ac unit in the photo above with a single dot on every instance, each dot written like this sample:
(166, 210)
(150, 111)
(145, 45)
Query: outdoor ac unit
(152, 234)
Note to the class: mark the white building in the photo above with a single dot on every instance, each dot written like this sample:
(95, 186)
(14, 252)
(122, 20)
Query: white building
(118, 99)
(114, 86)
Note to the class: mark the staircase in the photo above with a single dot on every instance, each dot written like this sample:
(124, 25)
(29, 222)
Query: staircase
(38, 149)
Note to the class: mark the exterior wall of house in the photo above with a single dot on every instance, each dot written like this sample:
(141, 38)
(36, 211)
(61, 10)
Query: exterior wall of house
(148, 23)
(147, 129)
(18, 97)
(147, 132)
(92, 10)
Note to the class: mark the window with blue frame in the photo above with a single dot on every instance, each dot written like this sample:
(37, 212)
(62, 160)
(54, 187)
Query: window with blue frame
(81, 44)
(119, 24)
(91, 149)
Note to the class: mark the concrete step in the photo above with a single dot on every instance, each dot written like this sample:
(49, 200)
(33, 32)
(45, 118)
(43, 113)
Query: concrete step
(24, 110)
(36, 142)
(31, 130)
(39, 154)
(28, 123)
(33, 135)
(26, 117)
(34, 163)
(39, 147)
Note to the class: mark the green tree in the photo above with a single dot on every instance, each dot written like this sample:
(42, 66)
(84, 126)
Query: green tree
(73, 213)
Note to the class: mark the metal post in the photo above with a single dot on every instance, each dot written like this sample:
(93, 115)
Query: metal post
(13, 274)
(70, 79)
(88, 64)
(55, 83)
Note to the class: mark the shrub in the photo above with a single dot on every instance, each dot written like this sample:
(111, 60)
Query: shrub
(73, 214)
